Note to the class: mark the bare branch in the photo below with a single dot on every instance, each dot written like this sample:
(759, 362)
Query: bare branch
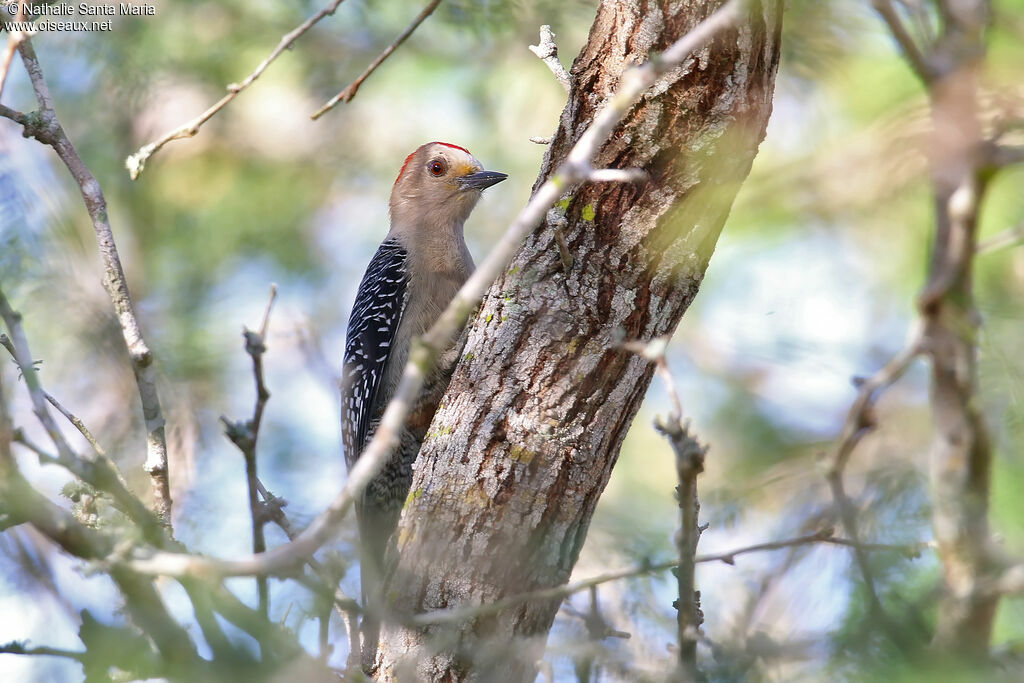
(6, 436)
(350, 91)
(1010, 581)
(918, 13)
(6, 342)
(136, 163)
(35, 75)
(14, 38)
(961, 457)
(245, 434)
(906, 42)
(266, 311)
(1007, 155)
(594, 620)
(859, 421)
(13, 115)
(82, 429)
(21, 503)
(325, 584)
(44, 456)
(689, 456)
(538, 140)
(824, 536)
(17, 345)
(460, 614)
(20, 648)
(24, 504)
(101, 473)
(286, 558)
(547, 51)
(47, 129)
(1007, 238)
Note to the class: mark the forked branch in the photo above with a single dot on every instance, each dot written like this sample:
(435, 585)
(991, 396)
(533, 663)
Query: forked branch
(44, 126)
(136, 163)
(350, 91)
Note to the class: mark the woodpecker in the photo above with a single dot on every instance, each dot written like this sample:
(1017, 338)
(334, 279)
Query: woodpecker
(418, 268)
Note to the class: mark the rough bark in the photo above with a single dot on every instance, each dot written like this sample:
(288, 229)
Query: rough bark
(532, 423)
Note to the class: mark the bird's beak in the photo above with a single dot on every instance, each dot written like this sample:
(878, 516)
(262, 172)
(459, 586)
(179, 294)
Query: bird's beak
(480, 180)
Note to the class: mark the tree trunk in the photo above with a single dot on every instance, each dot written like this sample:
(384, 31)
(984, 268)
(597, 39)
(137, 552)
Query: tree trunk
(531, 425)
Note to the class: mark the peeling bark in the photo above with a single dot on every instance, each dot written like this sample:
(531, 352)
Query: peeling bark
(531, 425)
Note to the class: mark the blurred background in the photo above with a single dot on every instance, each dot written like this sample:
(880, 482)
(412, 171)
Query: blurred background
(811, 285)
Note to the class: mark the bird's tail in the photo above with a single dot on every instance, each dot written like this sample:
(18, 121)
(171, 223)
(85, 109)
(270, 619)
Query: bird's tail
(375, 528)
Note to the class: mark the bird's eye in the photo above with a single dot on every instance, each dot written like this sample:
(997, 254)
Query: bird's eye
(437, 168)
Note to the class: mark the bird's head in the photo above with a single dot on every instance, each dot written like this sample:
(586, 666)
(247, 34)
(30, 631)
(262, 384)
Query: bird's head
(439, 184)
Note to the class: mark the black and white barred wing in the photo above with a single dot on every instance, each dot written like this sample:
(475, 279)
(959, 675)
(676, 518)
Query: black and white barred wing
(376, 314)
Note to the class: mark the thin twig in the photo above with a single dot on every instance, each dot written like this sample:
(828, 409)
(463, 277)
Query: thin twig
(266, 311)
(14, 38)
(859, 421)
(547, 51)
(349, 92)
(1009, 582)
(6, 342)
(80, 426)
(100, 473)
(220, 645)
(1007, 238)
(46, 128)
(6, 436)
(245, 435)
(919, 15)
(1002, 156)
(345, 607)
(594, 620)
(424, 352)
(271, 508)
(17, 345)
(911, 51)
(274, 507)
(136, 163)
(44, 456)
(825, 536)
(689, 460)
(459, 614)
(19, 648)
(143, 604)
(14, 115)
(23, 504)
